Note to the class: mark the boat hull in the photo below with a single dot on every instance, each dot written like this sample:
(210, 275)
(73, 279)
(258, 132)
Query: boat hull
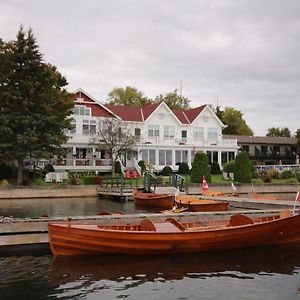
(154, 200)
(72, 239)
(194, 204)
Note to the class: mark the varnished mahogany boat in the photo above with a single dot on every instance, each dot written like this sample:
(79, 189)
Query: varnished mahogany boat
(154, 200)
(195, 204)
(171, 236)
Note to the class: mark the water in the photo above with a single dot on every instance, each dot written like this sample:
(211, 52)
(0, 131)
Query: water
(262, 273)
(257, 273)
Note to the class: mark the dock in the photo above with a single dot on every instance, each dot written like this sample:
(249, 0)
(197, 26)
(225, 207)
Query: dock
(31, 235)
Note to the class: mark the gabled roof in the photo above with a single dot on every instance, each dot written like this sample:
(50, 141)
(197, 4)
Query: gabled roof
(136, 114)
(80, 97)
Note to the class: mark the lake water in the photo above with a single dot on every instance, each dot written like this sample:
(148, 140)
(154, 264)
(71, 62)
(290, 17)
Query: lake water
(262, 273)
(257, 273)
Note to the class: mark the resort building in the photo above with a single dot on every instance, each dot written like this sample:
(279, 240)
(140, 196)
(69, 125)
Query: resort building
(165, 137)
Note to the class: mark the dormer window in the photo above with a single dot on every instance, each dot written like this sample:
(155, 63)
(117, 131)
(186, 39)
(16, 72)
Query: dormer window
(81, 110)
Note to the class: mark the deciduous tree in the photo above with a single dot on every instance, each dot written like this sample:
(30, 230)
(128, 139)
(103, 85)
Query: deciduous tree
(129, 96)
(280, 132)
(114, 136)
(173, 100)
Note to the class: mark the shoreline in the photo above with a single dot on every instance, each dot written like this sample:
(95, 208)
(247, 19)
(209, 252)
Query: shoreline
(68, 191)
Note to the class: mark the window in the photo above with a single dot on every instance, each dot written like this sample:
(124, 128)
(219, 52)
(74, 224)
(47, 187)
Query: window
(148, 156)
(169, 132)
(198, 133)
(137, 131)
(184, 134)
(165, 157)
(88, 127)
(73, 124)
(180, 156)
(212, 133)
(153, 130)
(81, 110)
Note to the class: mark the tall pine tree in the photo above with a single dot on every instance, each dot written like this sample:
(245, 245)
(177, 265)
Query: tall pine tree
(34, 105)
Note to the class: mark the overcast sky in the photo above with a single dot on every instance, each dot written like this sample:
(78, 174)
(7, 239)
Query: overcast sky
(239, 53)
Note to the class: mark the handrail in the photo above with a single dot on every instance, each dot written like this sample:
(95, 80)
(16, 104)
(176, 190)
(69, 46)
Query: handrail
(137, 166)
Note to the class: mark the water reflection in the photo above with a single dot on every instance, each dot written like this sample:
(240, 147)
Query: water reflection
(258, 273)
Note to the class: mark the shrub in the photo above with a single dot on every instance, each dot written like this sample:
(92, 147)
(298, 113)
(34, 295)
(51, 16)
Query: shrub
(183, 168)
(4, 183)
(200, 168)
(118, 169)
(274, 174)
(166, 171)
(74, 181)
(229, 167)
(92, 180)
(142, 164)
(265, 176)
(287, 174)
(297, 175)
(242, 170)
(215, 168)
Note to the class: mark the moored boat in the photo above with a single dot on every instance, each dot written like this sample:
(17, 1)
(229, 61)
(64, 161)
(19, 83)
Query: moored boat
(172, 236)
(154, 200)
(195, 204)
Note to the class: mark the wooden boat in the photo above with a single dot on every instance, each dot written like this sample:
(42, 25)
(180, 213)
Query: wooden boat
(154, 200)
(195, 204)
(171, 236)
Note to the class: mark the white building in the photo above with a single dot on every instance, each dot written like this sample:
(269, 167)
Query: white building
(165, 136)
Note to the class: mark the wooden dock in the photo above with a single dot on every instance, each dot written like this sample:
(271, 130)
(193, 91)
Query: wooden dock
(29, 235)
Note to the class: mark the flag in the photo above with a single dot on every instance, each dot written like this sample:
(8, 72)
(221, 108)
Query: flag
(233, 186)
(296, 199)
(204, 185)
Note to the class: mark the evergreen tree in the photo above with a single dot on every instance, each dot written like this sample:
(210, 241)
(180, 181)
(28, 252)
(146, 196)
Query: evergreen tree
(242, 173)
(200, 168)
(34, 106)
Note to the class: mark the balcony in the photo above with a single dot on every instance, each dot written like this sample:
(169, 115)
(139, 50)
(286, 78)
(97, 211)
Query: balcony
(103, 165)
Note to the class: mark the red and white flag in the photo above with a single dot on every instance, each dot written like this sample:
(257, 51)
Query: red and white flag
(296, 199)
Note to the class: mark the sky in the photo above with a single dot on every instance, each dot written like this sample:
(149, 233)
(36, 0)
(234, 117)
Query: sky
(243, 54)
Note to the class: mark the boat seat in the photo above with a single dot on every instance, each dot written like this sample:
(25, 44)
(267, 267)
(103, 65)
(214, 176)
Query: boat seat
(166, 226)
(285, 214)
(239, 220)
(175, 223)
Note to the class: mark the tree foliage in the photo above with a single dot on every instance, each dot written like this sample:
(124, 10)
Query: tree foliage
(242, 172)
(236, 125)
(280, 132)
(297, 135)
(173, 100)
(114, 136)
(129, 96)
(200, 168)
(34, 106)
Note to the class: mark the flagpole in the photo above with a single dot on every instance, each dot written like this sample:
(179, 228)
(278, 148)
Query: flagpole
(297, 198)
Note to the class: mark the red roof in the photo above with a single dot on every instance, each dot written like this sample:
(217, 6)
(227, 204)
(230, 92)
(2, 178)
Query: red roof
(136, 114)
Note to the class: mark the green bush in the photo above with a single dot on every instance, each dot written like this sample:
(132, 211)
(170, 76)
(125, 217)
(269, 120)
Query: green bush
(74, 181)
(142, 164)
(242, 172)
(92, 180)
(287, 174)
(200, 168)
(183, 168)
(215, 168)
(118, 169)
(166, 171)
(229, 167)
(297, 175)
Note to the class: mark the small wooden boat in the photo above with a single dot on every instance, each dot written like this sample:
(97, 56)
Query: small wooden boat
(195, 204)
(171, 236)
(154, 200)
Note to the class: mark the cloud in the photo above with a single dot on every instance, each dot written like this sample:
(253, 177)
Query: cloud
(242, 54)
